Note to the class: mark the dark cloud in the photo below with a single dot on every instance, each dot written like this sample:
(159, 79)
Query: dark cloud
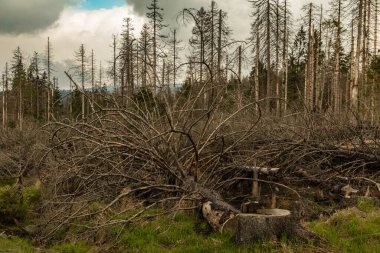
(28, 16)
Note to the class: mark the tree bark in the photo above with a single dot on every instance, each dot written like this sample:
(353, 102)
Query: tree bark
(270, 224)
(355, 87)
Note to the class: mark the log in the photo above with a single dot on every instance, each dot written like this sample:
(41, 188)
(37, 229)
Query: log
(265, 224)
(270, 224)
(215, 216)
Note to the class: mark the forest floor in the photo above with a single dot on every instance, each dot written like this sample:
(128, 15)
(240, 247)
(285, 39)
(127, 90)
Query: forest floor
(355, 229)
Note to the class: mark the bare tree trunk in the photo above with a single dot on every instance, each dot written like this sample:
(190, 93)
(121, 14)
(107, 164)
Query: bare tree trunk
(20, 109)
(268, 59)
(92, 80)
(278, 95)
(373, 88)
(220, 48)
(366, 52)
(37, 108)
(308, 66)
(285, 57)
(82, 78)
(317, 74)
(4, 97)
(336, 78)
(71, 99)
(154, 50)
(114, 45)
(211, 96)
(132, 81)
(355, 87)
(257, 79)
(363, 90)
(175, 57)
(48, 81)
(202, 51)
(352, 64)
(137, 65)
(239, 63)
(163, 77)
(312, 70)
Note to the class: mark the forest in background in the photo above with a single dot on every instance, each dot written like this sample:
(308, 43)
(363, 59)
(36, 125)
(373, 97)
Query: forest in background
(327, 61)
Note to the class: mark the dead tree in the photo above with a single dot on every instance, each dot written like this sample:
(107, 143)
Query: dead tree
(355, 87)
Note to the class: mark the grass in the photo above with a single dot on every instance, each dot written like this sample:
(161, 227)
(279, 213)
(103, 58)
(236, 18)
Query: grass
(354, 229)
(350, 230)
(178, 235)
(15, 245)
(15, 204)
(79, 247)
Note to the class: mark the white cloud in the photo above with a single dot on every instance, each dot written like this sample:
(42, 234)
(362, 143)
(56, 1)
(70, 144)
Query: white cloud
(93, 28)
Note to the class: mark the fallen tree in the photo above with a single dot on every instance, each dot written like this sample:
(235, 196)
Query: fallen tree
(182, 155)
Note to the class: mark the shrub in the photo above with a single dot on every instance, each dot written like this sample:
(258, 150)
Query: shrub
(15, 204)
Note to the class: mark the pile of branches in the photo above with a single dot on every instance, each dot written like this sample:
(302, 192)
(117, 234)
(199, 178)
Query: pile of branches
(153, 152)
(177, 154)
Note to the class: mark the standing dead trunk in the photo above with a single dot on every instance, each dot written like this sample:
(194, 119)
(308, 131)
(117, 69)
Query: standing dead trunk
(278, 95)
(220, 48)
(92, 81)
(308, 70)
(114, 45)
(352, 65)
(49, 80)
(82, 73)
(366, 52)
(373, 86)
(257, 80)
(268, 57)
(285, 57)
(355, 87)
(318, 85)
(4, 117)
(336, 79)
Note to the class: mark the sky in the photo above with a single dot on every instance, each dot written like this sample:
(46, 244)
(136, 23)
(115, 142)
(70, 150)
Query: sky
(69, 23)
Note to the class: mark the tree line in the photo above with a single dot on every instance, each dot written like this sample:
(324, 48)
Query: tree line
(327, 61)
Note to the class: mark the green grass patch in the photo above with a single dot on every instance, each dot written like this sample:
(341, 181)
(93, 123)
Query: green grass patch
(78, 247)
(352, 230)
(367, 204)
(177, 234)
(15, 204)
(15, 245)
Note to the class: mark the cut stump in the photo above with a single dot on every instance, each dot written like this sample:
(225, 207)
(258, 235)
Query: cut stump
(270, 224)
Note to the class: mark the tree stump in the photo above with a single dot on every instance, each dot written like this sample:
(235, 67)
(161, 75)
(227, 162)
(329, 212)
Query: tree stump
(266, 224)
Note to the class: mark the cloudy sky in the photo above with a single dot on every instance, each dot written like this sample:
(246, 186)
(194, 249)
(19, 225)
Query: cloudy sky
(69, 23)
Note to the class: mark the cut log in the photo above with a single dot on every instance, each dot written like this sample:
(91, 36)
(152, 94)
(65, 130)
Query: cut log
(215, 216)
(269, 224)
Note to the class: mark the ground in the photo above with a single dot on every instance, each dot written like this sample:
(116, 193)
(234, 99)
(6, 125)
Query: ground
(350, 230)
